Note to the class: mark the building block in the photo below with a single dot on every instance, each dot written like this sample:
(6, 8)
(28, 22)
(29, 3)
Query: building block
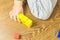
(25, 20)
(58, 34)
(17, 36)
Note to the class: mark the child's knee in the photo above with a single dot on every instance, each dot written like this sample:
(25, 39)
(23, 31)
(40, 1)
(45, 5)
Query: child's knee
(44, 17)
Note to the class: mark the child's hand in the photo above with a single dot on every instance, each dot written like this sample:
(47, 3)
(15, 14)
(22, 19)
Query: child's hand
(15, 11)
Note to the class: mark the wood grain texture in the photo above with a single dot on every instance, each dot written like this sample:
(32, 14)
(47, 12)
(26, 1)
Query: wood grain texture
(41, 30)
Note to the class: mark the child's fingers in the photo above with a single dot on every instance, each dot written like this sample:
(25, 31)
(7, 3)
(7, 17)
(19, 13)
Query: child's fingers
(18, 19)
(15, 18)
(11, 16)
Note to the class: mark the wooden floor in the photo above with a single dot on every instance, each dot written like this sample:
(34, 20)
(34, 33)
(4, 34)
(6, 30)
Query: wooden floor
(41, 30)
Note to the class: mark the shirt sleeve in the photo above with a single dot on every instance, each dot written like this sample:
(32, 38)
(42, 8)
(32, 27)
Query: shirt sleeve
(21, 0)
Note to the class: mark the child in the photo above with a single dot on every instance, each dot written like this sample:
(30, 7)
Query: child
(41, 9)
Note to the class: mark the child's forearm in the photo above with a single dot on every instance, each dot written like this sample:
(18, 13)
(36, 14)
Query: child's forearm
(18, 2)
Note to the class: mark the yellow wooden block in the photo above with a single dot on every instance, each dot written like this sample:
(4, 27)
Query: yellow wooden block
(25, 20)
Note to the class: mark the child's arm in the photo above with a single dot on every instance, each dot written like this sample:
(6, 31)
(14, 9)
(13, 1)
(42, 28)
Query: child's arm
(17, 8)
(18, 2)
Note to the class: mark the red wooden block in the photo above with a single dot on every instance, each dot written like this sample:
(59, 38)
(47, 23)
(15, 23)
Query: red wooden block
(17, 36)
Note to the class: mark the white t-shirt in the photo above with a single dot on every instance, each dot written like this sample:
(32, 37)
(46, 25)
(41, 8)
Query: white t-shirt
(42, 9)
